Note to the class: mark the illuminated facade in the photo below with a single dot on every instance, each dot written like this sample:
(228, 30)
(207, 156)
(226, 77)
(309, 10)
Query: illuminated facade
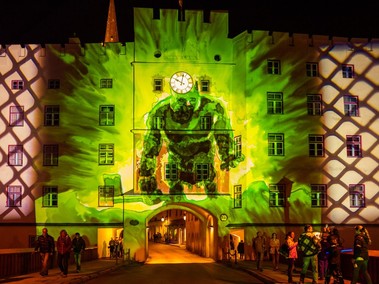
(276, 131)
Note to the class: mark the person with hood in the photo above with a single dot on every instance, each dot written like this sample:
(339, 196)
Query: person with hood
(64, 249)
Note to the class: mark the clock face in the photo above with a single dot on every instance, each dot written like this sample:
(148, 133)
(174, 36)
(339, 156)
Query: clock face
(181, 82)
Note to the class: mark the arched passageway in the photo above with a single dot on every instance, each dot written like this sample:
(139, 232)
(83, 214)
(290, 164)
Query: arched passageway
(183, 225)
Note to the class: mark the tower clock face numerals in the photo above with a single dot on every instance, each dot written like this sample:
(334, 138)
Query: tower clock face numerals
(181, 82)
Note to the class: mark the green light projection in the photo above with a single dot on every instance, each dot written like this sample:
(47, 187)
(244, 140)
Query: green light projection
(192, 127)
(237, 106)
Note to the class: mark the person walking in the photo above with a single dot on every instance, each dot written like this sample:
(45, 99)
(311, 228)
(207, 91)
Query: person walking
(360, 256)
(45, 246)
(64, 249)
(334, 262)
(323, 254)
(292, 254)
(111, 247)
(241, 249)
(274, 251)
(309, 245)
(259, 249)
(78, 247)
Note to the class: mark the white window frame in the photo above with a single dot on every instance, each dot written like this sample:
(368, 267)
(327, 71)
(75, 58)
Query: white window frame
(106, 196)
(316, 145)
(106, 154)
(16, 116)
(347, 70)
(273, 67)
(357, 195)
(274, 103)
(50, 154)
(238, 196)
(319, 195)
(107, 115)
(277, 195)
(354, 146)
(276, 144)
(314, 104)
(15, 155)
(51, 115)
(50, 196)
(14, 195)
(351, 105)
(312, 69)
(202, 171)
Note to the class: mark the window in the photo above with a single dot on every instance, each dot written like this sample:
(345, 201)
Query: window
(204, 86)
(158, 122)
(106, 115)
(206, 122)
(277, 195)
(312, 69)
(316, 145)
(158, 85)
(15, 155)
(275, 103)
(357, 195)
(276, 144)
(50, 196)
(202, 172)
(51, 116)
(318, 195)
(314, 104)
(106, 154)
(238, 146)
(351, 105)
(353, 145)
(14, 196)
(53, 84)
(273, 67)
(16, 116)
(106, 196)
(171, 171)
(347, 71)
(17, 84)
(238, 196)
(50, 155)
(106, 83)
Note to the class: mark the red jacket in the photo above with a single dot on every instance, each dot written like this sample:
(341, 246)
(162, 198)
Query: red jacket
(64, 244)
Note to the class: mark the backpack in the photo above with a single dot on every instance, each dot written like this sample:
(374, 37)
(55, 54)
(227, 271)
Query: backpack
(284, 250)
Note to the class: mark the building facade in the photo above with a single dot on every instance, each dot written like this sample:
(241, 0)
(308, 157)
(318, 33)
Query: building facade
(266, 132)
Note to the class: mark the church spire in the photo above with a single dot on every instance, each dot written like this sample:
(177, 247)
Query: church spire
(111, 34)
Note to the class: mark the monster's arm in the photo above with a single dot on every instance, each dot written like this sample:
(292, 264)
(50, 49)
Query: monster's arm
(225, 140)
(151, 147)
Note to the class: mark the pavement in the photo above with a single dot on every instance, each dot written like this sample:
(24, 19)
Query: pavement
(94, 268)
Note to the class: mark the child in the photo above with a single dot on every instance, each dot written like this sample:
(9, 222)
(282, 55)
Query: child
(334, 262)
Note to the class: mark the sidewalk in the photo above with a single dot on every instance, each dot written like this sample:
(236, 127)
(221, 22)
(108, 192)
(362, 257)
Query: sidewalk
(94, 268)
(90, 269)
(270, 276)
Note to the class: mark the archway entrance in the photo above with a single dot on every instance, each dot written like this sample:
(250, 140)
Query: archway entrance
(183, 225)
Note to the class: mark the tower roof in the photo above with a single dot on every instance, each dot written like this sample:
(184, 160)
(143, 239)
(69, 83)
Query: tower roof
(111, 33)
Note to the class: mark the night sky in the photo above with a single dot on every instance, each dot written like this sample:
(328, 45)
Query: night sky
(54, 21)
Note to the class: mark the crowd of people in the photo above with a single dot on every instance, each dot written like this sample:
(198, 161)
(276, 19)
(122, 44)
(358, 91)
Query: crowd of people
(319, 253)
(46, 247)
(115, 248)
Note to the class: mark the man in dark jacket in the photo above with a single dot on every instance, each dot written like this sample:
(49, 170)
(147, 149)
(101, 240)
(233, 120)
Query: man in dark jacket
(45, 246)
(360, 256)
(78, 246)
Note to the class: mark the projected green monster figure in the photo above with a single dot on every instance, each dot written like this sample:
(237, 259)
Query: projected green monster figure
(193, 127)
